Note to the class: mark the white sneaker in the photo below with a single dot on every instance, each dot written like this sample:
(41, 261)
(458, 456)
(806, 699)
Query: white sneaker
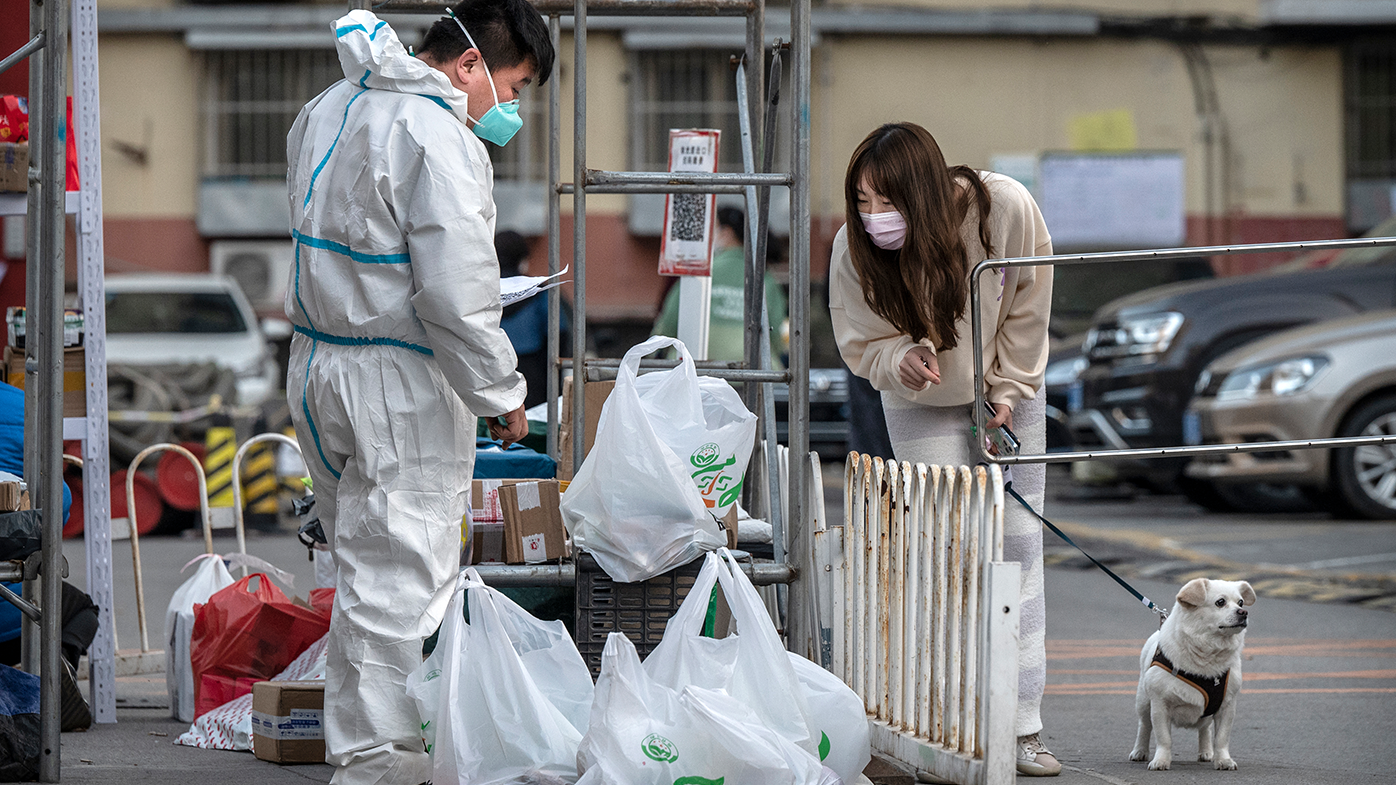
(1034, 759)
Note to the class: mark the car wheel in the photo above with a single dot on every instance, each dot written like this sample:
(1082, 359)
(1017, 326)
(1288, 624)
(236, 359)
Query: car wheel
(1365, 476)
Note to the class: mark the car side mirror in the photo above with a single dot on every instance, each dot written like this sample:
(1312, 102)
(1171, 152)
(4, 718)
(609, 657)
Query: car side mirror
(276, 329)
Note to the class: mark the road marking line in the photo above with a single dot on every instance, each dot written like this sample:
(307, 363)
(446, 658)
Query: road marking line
(1323, 564)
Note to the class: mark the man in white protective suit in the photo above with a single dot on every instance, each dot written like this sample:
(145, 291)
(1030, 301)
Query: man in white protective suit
(394, 294)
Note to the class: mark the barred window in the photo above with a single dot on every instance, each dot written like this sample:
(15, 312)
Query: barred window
(251, 98)
(1371, 105)
(682, 89)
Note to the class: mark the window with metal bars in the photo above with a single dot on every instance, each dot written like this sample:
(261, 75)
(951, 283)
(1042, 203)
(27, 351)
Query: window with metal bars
(1371, 110)
(682, 89)
(252, 97)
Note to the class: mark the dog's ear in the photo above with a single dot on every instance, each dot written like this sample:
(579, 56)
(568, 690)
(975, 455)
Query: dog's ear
(1247, 594)
(1194, 593)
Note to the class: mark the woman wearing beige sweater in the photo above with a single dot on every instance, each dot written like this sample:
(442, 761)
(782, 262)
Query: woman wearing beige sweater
(899, 298)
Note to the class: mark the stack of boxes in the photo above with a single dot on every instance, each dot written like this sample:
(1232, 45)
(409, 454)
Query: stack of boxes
(74, 358)
(517, 521)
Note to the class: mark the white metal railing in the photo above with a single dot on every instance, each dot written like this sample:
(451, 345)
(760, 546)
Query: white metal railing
(919, 614)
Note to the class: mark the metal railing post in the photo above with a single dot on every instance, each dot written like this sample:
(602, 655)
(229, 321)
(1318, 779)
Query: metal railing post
(1160, 255)
(579, 231)
(554, 231)
(798, 514)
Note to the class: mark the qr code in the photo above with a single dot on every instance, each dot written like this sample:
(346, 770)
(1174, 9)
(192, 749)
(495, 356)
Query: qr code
(690, 217)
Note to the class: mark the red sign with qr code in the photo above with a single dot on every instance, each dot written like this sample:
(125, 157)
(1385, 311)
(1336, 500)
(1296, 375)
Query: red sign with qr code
(686, 247)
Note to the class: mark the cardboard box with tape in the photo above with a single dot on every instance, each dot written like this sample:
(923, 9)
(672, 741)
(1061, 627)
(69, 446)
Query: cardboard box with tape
(533, 530)
(288, 721)
(74, 377)
(596, 395)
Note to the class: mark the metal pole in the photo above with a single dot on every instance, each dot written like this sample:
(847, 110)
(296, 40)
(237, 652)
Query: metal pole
(703, 180)
(554, 230)
(101, 655)
(1161, 254)
(33, 252)
(798, 518)
(52, 174)
(597, 7)
(579, 231)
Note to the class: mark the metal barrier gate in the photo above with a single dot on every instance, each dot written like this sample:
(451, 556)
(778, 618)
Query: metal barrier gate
(919, 614)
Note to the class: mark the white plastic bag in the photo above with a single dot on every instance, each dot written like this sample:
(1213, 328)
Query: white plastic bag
(751, 666)
(644, 733)
(210, 577)
(669, 458)
(839, 722)
(503, 699)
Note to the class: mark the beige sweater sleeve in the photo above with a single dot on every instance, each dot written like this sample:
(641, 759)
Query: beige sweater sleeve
(1021, 340)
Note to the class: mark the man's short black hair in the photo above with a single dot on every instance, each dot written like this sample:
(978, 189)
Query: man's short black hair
(732, 218)
(512, 249)
(507, 32)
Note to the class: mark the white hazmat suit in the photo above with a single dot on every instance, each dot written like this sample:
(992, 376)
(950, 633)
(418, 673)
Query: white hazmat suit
(394, 294)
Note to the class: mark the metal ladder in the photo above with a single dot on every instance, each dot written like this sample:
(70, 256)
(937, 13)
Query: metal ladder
(752, 184)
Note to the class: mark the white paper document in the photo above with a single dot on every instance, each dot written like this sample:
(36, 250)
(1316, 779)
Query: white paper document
(521, 287)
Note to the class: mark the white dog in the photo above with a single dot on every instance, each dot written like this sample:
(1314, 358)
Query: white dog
(1190, 672)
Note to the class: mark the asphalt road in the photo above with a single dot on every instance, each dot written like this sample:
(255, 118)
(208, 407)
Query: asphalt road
(1320, 661)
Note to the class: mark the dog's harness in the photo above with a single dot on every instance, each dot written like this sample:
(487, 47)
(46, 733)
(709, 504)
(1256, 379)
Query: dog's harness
(1213, 688)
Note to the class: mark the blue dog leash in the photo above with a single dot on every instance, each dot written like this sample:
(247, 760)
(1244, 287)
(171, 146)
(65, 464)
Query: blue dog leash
(1148, 603)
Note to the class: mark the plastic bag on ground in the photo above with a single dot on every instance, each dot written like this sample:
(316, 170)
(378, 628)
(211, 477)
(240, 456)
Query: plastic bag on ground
(244, 635)
(229, 727)
(644, 733)
(504, 698)
(210, 576)
(669, 458)
(839, 721)
(751, 666)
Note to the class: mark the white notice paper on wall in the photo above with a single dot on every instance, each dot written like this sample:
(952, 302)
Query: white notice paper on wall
(686, 247)
(1112, 201)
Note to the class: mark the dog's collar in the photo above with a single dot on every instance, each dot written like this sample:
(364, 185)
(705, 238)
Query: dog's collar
(1213, 688)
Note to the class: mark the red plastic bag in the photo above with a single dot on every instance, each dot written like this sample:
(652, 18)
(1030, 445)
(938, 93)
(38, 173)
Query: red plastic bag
(244, 635)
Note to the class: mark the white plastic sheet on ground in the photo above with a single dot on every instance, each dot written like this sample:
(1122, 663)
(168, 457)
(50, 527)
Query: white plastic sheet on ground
(229, 727)
(504, 698)
(669, 458)
(210, 577)
(645, 733)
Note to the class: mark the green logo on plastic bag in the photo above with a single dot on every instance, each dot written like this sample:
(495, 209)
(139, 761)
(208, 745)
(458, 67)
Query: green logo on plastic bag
(435, 674)
(698, 781)
(705, 455)
(658, 748)
(823, 745)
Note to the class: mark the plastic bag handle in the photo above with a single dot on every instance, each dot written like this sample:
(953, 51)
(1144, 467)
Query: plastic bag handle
(630, 365)
(692, 612)
(266, 591)
(747, 608)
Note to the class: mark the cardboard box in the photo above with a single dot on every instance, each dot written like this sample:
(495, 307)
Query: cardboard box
(489, 543)
(74, 378)
(14, 167)
(533, 530)
(16, 327)
(288, 721)
(11, 496)
(596, 395)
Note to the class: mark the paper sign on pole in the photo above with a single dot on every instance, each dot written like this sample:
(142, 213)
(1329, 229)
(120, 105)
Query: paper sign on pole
(686, 247)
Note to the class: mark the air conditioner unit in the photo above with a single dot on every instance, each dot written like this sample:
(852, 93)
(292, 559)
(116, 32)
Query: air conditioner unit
(261, 267)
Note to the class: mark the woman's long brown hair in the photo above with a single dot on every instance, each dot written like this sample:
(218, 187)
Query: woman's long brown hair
(920, 288)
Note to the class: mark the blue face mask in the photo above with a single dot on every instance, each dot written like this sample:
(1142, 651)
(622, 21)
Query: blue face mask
(502, 121)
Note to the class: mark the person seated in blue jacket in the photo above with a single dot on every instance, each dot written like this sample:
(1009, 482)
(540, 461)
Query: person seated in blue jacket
(79, 613)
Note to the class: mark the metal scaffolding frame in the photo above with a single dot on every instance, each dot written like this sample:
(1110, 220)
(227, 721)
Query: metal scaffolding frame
(45, 428)
(755, 370)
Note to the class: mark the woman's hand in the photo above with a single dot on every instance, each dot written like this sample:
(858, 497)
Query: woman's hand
(919, 366)
(1003, 417)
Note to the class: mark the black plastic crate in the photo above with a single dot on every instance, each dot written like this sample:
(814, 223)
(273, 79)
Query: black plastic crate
(639, 610)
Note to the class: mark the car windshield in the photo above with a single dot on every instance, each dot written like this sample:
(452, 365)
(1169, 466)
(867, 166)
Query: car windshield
(1352, 257)
(173, 312)
(1079, 289)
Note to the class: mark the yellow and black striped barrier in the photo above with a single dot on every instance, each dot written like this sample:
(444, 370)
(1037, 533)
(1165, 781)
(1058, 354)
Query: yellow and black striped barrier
(220, 445)
(259, 483)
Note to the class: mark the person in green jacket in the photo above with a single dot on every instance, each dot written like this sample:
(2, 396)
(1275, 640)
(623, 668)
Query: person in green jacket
(727, 321)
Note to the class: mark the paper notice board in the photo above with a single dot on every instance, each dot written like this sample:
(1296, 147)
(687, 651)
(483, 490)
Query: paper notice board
(686, 247)
(1113, 201)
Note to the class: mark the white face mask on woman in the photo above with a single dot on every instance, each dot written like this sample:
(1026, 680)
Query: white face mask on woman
(887, 230)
